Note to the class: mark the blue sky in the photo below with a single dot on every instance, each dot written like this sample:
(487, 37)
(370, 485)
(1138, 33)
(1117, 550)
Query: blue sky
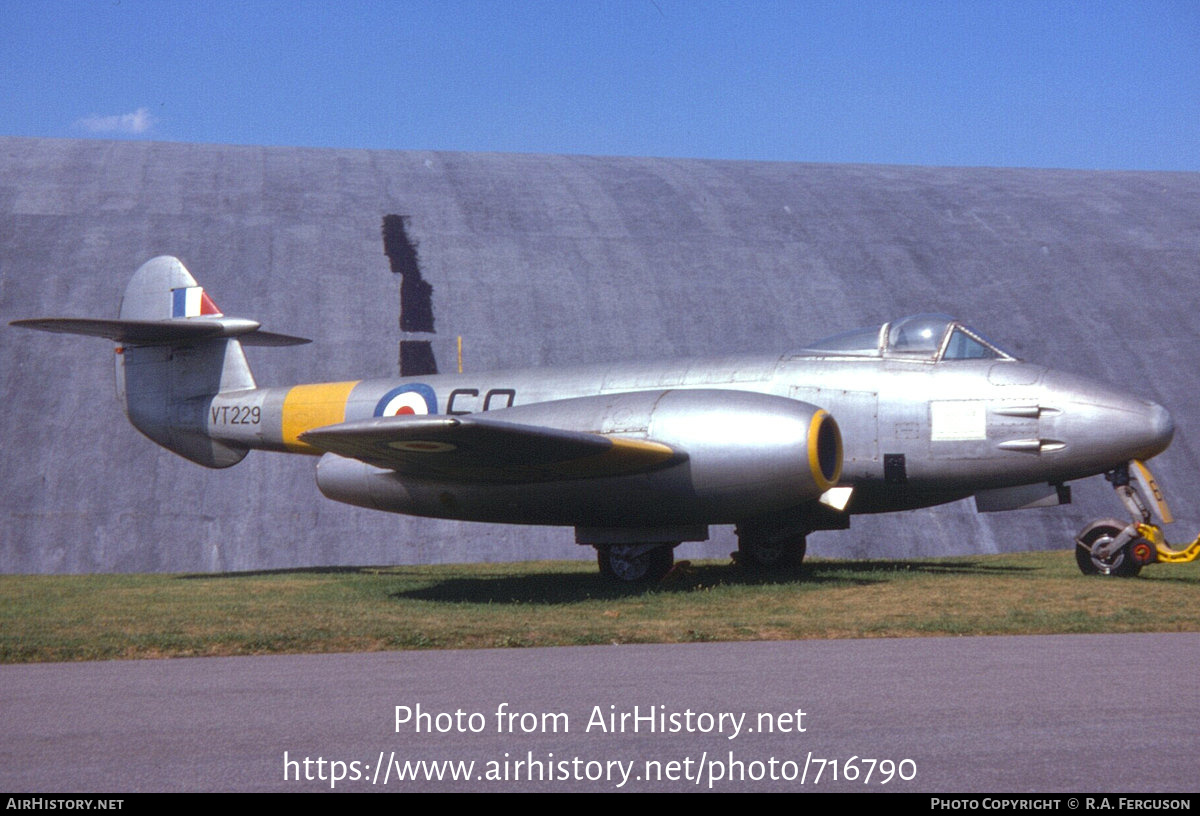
(1110, 85)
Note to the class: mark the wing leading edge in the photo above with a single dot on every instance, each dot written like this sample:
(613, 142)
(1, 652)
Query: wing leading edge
(473, 448)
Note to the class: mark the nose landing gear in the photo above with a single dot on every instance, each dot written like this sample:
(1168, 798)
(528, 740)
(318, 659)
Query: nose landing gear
(1097, 553)
(1109, 547)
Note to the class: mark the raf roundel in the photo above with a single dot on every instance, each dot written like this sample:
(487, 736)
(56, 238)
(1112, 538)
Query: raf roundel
(417, 398)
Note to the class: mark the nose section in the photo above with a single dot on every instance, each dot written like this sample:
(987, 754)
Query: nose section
(1101, 426)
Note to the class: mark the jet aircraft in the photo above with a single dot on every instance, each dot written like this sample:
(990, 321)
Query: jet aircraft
(640, 457)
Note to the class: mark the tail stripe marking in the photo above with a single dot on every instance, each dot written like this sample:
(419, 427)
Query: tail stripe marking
(192, 301)
(313, 406)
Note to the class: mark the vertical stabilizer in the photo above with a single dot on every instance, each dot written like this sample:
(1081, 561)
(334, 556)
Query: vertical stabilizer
(163, 289)
(167, 385)
(175, 353)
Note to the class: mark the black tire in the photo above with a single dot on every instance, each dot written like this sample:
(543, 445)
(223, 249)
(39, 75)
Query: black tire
(645, 568)
(1121, 564)
(774, 553)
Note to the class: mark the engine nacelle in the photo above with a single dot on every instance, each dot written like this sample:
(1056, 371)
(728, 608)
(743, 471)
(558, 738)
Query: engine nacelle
(741, 454)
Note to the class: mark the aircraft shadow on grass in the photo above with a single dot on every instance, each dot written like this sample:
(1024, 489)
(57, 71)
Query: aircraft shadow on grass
(559, 587)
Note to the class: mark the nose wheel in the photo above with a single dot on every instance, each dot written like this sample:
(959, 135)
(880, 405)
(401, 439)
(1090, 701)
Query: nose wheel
(1096, 555)
(1110, 547)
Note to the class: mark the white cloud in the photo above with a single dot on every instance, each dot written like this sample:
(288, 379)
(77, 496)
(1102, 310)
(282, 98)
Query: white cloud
(140, 121)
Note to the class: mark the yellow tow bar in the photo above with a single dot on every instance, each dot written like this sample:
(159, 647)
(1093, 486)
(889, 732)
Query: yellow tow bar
(1163, 551)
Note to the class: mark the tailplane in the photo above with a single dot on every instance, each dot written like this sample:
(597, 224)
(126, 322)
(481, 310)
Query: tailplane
(175, 352)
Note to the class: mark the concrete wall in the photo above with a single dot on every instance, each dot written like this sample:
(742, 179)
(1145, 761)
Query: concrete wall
(544, 261)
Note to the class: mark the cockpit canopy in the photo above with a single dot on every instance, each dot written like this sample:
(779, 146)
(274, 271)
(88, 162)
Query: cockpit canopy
(932, 337)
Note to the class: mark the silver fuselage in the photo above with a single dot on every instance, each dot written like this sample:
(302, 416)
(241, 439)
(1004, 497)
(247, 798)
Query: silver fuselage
(914, 432)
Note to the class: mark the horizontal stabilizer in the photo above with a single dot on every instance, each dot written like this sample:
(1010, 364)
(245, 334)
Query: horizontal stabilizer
(479, 449)
(158, 332)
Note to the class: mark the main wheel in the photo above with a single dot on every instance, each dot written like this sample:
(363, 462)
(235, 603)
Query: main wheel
(777, 553)
(633, 564)
(1121, 563)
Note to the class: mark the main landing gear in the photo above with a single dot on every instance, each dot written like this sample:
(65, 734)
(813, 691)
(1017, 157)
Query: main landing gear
(779, 550)
(1110, 547)
(636, 563)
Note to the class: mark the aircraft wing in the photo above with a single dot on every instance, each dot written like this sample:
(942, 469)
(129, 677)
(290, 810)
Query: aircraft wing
(474, 448)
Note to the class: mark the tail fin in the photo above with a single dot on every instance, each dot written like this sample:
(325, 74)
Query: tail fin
(163, 289)
(167, 385)
(175, 352)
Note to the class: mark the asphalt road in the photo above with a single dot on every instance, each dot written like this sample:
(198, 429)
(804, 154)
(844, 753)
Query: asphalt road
(1087, 714)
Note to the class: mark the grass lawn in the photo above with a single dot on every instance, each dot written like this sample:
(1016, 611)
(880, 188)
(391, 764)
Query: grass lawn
(556, 603)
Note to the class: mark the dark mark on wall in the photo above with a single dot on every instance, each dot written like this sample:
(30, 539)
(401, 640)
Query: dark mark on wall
(416, 297)
(416, 358)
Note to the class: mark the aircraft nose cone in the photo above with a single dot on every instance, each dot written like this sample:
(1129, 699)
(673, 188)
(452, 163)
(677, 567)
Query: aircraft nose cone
(1162, 427)
(1145, 428)
(1142, 429)
(1101, 426)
